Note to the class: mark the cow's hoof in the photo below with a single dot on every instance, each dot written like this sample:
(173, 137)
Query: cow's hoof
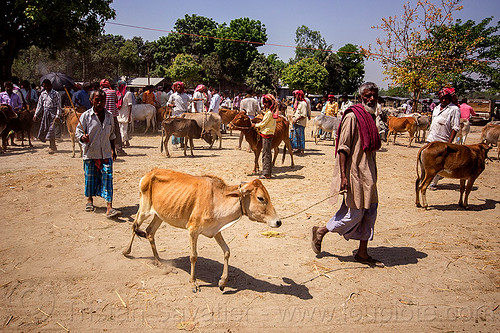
(419, 205)
(222, 285)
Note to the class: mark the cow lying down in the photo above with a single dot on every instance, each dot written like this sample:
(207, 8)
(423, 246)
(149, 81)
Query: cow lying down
(203, 205)
(464, 162)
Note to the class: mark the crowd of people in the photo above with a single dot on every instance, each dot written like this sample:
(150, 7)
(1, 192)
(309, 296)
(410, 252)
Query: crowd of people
(102, 130)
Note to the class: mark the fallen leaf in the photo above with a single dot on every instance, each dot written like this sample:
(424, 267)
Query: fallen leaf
(186, 325)
(245, 235)
(270, 234)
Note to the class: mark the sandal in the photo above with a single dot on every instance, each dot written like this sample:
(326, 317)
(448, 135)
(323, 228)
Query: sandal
(369, 261)
(89, 207)
(315, 242)
(112, 213)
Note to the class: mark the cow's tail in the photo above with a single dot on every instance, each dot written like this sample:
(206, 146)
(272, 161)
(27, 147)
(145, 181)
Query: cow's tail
(145, 202)
(154, 122)
(161, 142)
(420, 178)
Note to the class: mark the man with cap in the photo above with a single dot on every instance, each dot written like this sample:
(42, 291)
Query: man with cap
(332, 107)
(179, 102)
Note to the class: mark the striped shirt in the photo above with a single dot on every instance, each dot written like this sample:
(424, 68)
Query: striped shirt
(49, 101)
(111, 100)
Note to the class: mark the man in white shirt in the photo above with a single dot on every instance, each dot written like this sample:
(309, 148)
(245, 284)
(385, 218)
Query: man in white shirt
(179, 101)
(214, 101)
(445, 123)
(251, 107)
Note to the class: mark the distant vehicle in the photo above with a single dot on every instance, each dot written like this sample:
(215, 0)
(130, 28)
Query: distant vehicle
(484, 110)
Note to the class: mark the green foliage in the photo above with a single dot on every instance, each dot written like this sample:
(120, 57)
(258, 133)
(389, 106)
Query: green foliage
(396, 91)
(185, 69)
(262, 76)
(278, 64)
(55, 24)
(184, 42)
(423, 50)
(353, 68)
(309, 43)
(242, 29)
(483, 74)
(307, 75)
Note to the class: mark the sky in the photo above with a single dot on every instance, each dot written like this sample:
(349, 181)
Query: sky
(339, 22)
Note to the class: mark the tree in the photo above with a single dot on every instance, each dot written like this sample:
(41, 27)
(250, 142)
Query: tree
(335, 71)
(278, 64)
(185, 69)
(261, 75)
(307, 75)
(231, 47)
(129, 57)
(421, 52)
(353, 67)
(185, 40)
(485, 74)
(55, 24)
(310, 44)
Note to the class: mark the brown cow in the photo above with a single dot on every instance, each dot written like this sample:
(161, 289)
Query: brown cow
(182, 128)
(403, 124)
(163, 113)
(490, 134)
(227, 115)
(464, 162)
(21, 125)
(243, 123)
(208, 121)
(6, 115)
(72, 120)
(203, 205)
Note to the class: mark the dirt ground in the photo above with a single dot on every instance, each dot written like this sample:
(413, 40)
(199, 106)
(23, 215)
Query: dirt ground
(62, 269)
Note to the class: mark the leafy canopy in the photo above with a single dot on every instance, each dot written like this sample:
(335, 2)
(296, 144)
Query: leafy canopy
(307, 74)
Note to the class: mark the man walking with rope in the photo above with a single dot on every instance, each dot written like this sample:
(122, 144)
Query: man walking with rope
(356, 173)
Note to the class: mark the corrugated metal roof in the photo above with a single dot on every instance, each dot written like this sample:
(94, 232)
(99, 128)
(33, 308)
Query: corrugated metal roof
(141, 82)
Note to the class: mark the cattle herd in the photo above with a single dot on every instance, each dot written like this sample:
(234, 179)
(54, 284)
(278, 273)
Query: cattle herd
(206, 205)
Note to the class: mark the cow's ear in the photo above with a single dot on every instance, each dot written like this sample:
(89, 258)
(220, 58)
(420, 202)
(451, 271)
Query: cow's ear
(242, 190)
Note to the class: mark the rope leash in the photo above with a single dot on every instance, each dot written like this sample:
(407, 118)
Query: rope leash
(315, 204)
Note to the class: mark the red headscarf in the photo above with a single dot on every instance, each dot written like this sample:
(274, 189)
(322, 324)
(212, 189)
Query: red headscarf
(200, 87)
(122, 89)
(446, 91)
(105, 83)
(330, 96)
(179, 84)
(300, 95)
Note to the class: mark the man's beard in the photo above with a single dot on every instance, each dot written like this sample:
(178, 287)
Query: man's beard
(370, 109)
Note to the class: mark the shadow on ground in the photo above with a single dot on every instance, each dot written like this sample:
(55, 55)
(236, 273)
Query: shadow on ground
(209, 271)
(389, 256)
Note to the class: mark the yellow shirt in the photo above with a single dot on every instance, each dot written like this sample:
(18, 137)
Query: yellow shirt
(268, 124)
(332, 109)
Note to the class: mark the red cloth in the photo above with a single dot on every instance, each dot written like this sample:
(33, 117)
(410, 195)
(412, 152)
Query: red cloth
(266, 136)
(122, 89)
(178, 84)
(105, 83)
(446, 91)
(368, 133)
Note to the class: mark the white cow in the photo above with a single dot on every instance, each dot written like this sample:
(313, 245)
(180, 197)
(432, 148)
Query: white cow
(145, 112)
(463, 132)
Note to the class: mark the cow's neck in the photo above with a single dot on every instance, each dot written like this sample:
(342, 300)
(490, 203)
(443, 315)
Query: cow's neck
(227, 212)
